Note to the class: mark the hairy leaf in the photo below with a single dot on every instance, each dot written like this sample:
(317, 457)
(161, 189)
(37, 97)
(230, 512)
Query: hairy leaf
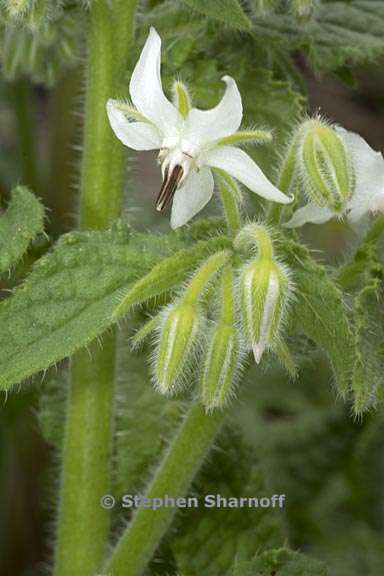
(337, 34)
(69, 297)
(155, 417)
(368, 369)
(22, 221)
(208, 540)
(228, 11)
(319, 311)
(281, 562)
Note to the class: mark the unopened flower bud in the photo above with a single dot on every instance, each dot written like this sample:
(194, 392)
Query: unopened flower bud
(264, 291)
(178, 334)
(325, 166)
(220, 367)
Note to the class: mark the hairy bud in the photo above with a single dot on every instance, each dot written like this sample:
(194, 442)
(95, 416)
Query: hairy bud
(325, 166)
(220, 367)
(178, 334)
(224, 353)
(264, 291)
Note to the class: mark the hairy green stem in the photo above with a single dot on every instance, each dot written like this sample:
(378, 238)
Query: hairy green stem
(181, 462)
(23, 102)
(83, 525)
(286, 178)
(59, 191)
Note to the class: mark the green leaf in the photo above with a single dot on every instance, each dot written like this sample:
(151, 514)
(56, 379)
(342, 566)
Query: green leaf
(68, 299)
(281, 562)
(155, 417)
(319, 311)
(339, 33)
(22, 221)
(368, 369)
(169, 273)
(208, 540)
(228, 11)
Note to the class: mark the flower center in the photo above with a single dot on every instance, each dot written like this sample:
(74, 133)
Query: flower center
(177, 158)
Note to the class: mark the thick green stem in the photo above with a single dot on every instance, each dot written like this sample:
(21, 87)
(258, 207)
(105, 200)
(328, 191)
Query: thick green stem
(173, 478)
(83, 525)
(59, 191)
(23, 101)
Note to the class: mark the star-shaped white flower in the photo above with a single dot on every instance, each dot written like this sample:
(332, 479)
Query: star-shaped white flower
(368, 194)
(190, 144)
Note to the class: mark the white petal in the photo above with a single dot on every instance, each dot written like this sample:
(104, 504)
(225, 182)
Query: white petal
(135, 135)
(146, 90)
(203, 126)
(310, 213)
(369, 169)
(195, 193)
(241, 166)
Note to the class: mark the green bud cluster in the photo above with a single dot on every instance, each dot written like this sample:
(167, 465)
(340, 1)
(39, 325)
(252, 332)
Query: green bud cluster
(181, 328)
(231, 305)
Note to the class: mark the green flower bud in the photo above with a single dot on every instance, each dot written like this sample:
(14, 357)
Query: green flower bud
(220, 367)
(178, 335)
(224, 354)
(325, 166)
(264, 290)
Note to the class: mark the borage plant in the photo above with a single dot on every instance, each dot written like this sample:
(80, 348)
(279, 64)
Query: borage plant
(210, 311)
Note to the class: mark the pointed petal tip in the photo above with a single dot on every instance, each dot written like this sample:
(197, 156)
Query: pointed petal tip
(258, 351)
(154, 33)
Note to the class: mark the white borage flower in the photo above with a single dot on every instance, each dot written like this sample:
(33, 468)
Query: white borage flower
(368, 193)
(190, 141)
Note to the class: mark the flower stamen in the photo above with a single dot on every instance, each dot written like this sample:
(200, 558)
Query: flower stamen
(171, 182)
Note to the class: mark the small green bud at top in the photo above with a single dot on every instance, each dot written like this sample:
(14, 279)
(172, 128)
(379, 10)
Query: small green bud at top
(264, 291)
(325, 166)
(258, 237)
(178, 334)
